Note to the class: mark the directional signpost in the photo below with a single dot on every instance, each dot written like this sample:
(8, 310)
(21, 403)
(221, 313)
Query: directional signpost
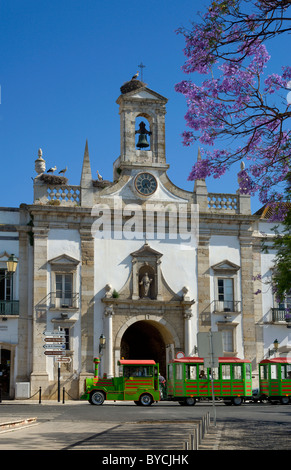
(210, 348)
(55, 347)
(64, 359)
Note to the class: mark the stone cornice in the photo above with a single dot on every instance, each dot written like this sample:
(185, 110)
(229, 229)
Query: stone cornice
(167, 305)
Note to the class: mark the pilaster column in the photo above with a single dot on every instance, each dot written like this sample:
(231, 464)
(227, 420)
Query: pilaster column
(247, 283)
(87, 301)
(188, 334)
(204, 319)
(108, 314)
(25, 308)
(39, 375)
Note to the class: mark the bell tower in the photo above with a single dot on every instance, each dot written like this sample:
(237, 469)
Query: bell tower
(142, 127)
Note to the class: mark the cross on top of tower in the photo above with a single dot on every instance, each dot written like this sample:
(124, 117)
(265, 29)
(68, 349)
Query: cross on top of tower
(141, 66)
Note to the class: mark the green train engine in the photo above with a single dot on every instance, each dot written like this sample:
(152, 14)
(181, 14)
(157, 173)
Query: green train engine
(138, 382)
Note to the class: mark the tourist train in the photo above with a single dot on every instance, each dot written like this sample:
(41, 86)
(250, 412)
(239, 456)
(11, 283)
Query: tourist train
(189, 381)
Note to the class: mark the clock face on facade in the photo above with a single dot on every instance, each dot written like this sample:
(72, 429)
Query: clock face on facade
(145, 184)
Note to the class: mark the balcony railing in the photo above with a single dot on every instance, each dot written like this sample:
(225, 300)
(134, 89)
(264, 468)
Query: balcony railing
(69, 300)
(9, 307)
(281, 314)
(224, 306)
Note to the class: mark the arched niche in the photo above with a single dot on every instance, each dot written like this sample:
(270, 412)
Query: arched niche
(147, 282)
(146, 261)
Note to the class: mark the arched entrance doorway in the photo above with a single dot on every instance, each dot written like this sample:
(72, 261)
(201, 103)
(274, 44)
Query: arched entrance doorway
(146, 339)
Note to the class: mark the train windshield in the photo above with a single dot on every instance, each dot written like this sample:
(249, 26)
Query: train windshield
(140, 371)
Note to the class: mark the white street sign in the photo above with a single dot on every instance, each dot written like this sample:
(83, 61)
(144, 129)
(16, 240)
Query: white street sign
(56, 352)
(54, 346)
(63, 359)
(54, 339)
(210, 347)
(54, 333)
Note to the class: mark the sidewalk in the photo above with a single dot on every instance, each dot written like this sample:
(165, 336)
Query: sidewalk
(228, 434)
(149, 434)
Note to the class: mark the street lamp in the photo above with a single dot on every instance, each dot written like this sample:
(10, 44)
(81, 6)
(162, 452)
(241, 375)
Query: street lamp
(11, 265)
(102, 342)
(276, 346)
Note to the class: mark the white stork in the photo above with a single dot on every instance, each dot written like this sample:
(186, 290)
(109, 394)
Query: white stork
(135, 76)
(100, 178)
(52, 170)
(63, 171)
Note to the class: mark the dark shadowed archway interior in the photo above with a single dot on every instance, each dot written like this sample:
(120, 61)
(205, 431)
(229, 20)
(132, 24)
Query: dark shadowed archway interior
(5, 362)
(143, 340)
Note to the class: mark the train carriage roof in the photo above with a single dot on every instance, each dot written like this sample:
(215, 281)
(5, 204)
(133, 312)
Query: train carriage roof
(277, 360)
(136, 362)
(200, 360)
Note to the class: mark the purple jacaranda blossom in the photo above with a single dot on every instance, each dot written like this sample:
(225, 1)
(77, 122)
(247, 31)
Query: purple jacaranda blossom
(233, 99)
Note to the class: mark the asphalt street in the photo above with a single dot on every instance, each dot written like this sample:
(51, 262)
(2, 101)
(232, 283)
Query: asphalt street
(123, 426)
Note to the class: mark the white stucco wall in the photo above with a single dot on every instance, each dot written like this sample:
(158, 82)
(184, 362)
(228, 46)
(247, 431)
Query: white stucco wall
(271, 331)
(221, 248)
(9, 244)
(113, 261)
(65, 242)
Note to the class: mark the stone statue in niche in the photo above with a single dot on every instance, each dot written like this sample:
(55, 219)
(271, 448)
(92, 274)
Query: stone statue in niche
(145, 284)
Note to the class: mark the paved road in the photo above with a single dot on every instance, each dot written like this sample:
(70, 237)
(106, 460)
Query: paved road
(124, 426)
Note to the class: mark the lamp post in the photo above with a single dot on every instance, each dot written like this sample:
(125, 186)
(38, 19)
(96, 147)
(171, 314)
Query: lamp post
(276, 347)
(102, 343)
(11, 265)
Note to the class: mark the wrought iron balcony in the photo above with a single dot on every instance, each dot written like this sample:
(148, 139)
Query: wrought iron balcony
(225, 306)
(281, 314)
(9, 307)
(68, 301)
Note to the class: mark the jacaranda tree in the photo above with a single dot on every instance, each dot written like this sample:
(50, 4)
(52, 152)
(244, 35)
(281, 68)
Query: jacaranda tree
(235, 109)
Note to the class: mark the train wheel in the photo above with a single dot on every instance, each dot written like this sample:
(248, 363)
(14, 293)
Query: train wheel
(145, 399)
(284, 400)
(97, 398)
(190, 401)
(237, 401)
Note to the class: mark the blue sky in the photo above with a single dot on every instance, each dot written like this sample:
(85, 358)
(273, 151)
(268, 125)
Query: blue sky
(62, 65)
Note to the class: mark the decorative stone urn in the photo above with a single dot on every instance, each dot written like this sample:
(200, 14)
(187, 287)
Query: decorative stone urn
(40, 163)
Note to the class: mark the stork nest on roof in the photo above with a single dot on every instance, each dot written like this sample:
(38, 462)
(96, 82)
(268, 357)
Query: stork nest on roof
(53, 179)
(101, 184)
(131, 86)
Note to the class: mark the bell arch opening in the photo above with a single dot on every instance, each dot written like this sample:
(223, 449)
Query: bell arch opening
(146, 339)
(143, 132)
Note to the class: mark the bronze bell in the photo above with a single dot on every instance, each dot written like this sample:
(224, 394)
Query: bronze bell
(142, 141)
(143, 132)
